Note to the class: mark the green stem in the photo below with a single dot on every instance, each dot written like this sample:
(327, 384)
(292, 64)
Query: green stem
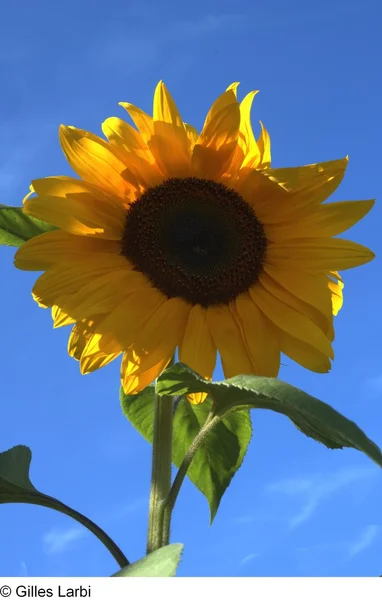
(161, 471)
(210, 422)
(52, 503)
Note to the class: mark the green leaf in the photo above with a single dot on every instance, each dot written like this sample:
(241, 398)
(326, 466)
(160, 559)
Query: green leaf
(313, 417)
(160, 563)
(16, 227)
(16, 487)
(222, 453)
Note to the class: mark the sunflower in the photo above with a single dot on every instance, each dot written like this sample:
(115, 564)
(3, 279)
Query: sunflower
(177, 240)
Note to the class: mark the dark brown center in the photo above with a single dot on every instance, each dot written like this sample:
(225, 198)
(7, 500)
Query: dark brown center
(196, 239)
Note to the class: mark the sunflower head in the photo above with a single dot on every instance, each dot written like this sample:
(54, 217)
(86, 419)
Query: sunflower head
(173, 239)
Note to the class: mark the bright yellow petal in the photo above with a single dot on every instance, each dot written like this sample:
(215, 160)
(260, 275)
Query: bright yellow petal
(61, 318)
(66, 278)
(249, 145)
(197, 349)
(223, 101)
(90, 362)
(320, 314)
(327, 220)
(304, 354)
(318, 255)
(93, 159)
(264, 144)
(267, 198)
(192, 134)
(162, 332)
(81, 214)
(134, 376)
(143, 121)
(63, 186)
(129, 317)
(169, 144)
(320, 178)
(103, 294)
(133, 151)
(228, 339)
(336, 286)
(260, 337)
(290, 320)
(217, 143)
(79, 339)
(44, 250)
(311, 289)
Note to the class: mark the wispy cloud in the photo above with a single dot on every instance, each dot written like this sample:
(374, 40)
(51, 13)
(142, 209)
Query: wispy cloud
(366, 538)
(249, 558)
(316, 489)
(23, 569)
(59, 540)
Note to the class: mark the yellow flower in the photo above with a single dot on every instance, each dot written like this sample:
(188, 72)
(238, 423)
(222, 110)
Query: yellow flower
(172, 240)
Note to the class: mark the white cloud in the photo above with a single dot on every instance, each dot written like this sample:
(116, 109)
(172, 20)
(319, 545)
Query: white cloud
(249, 558)
(316, 489)
(366, 538)
(23, 569)
(58, 540)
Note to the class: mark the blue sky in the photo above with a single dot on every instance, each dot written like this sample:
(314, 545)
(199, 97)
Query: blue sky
(294, 508)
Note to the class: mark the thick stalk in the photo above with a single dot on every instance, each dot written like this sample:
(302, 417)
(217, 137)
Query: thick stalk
(161, 470)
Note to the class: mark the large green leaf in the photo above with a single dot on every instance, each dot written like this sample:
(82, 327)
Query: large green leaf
(16, 487)
(313, 417)
(16, 227)
(160, 563)
(222, 452)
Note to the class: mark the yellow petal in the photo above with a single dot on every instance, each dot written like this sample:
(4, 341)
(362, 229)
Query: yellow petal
(320, 180)
(103, 294)
(143, 121)
(249, 144)
(169, 144)
(217, 143)
(79, 338)
(92, 361)
(326, 220)
(44, 250)
(264, 144)
(129, 317)
(267, 198)
(318, 255)
(290, 320)
(134, 376)
(311, 289)
(61, 318)
(320, 314)
(94, 358)
(79, 215)
(66, 278)
(228, 339)
(68, 187)
(93, 159)
(197, 349)
(260, 337)
(133, 151)
(304, 354)
(192, 135)
(336, 286)
(162, 332)
(223, 101)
